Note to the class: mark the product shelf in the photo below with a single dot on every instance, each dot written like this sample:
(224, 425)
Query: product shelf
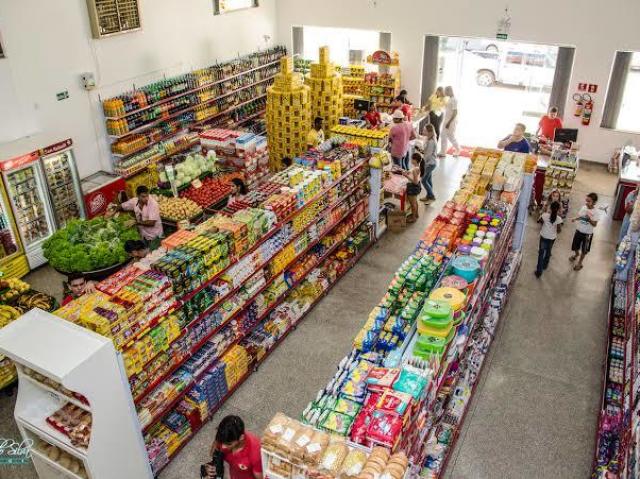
(241, 381)
(56, 394)
(53, 464)
(261, 318)
(189, 108)
(233, 291)
(162, 157)
(192, 90)
(275, 229)
(224, 112)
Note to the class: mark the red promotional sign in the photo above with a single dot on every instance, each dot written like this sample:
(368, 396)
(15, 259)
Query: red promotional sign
(582, 87)
(49, 150)
(381, 57)
(19, 161)
(593, 88)
(96, 201)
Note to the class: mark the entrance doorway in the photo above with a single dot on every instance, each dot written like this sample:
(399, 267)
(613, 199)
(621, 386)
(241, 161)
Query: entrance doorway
(497, 84)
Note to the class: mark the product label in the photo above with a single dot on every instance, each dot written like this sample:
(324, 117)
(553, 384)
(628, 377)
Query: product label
(314, 447)
(276, 429)
(196, 183)
(303, 440)
(288, 434)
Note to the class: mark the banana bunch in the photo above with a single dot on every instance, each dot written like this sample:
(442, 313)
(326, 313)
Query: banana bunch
(34, 300)
(8, 314)
(13, 287)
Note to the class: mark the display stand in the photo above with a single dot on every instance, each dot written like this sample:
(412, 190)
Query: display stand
(560, 175)
(72, 357)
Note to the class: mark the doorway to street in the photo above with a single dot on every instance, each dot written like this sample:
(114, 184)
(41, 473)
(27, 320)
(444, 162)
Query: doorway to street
(497, 84)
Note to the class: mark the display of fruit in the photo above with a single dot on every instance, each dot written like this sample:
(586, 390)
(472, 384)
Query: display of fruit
(13, 288)
(35, 299)
(8, 314)
(212, 191)
(191, 168)
(177, 209)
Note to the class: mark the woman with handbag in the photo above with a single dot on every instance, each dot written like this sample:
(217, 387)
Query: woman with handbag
(240, 449)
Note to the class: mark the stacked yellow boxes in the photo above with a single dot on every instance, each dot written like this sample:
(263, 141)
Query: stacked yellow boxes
(288, 115)
(326, 91)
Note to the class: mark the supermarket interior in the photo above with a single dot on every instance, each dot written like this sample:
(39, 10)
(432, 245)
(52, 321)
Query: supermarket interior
(278, 239)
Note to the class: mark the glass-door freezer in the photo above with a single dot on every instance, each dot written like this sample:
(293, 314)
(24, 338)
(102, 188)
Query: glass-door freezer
(27, 190)
(62, 179)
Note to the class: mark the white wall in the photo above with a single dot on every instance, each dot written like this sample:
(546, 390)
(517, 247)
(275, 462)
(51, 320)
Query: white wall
(595, 27)
(48, 45)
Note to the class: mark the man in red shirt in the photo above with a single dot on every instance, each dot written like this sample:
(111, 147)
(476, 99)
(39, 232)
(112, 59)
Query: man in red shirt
(549, 124)
(240, 450)
(78, 285)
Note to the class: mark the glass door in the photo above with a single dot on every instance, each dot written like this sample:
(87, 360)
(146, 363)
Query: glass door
(29, 205)
(9, 244)
(61, 177)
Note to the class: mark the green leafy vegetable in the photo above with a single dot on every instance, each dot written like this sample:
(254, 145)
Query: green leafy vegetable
(87, 245)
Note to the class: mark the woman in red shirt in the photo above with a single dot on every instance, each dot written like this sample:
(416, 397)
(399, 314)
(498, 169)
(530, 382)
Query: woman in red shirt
(373, 116)
(239, 449)
(549, 124)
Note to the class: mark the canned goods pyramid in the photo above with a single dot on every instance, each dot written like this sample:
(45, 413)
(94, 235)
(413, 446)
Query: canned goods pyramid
(326, 90)
(288, 115)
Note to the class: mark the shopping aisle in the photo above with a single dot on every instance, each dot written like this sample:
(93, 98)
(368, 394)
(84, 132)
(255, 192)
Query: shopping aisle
(535, 410)
(302, 363)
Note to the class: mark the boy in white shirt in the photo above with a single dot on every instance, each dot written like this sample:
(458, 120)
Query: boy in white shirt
(587, 220)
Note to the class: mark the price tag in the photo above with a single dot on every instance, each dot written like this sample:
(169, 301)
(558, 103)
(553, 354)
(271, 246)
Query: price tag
(196, 183)
(171, 176)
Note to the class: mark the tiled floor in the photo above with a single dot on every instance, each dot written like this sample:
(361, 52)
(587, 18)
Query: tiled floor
(535, 410)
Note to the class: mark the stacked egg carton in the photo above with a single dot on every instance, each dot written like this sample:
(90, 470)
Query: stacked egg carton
(326, 91)
(288, 115)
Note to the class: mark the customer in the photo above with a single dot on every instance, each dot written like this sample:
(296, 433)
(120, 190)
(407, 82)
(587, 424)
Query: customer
(414, 174)
(516, 141)
(240, 450)
(554, 195)
(136, 249)
(629, 203)
(400, 134)
(430, 154)
(238, 190)
(450, 124)
(402, 97)
(548, 125)
(405, 108)
(315, 135)
(437, 104)
(551, 226)
(587, 220)
(78, 286)
(372, 117)
(147, 213)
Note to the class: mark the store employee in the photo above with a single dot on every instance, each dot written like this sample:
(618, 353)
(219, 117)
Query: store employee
(315, 135)
(147, 213)
(516, 142)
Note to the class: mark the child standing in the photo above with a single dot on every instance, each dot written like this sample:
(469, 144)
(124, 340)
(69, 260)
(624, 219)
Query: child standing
(551, 226)
(414, 174)
(430, 154)
(587, 220)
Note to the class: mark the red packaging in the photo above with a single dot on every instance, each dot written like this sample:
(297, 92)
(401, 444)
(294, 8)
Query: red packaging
(380, 379)
(384, 429)
(394, 402)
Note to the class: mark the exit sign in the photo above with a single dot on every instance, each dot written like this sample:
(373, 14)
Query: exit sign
(502, 36)
(63, 95)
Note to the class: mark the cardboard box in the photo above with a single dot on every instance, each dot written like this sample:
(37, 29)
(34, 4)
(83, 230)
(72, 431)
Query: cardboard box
(396, 220)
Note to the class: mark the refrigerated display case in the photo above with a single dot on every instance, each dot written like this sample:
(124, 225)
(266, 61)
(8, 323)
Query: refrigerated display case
(13, 262)
(27, 190)
(99, 190)
(64, 183)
